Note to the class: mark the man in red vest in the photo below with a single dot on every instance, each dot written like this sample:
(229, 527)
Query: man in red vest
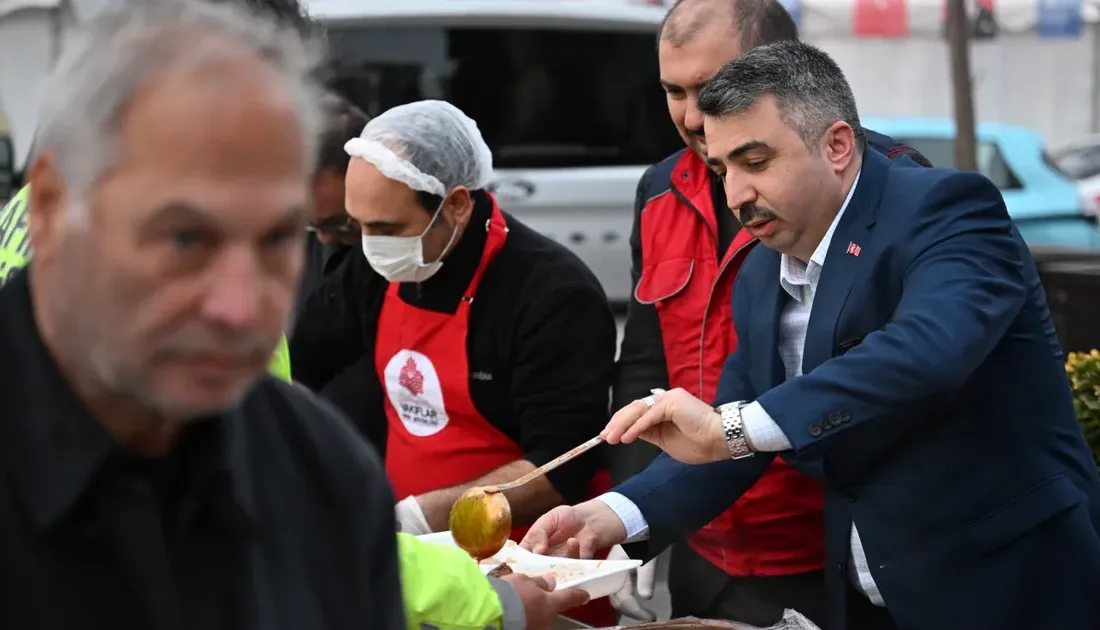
(766, 553)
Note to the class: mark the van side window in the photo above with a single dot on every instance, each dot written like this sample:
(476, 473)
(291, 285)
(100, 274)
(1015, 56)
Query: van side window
(544, 98)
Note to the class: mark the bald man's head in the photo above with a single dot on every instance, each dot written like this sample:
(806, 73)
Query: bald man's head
(752, 22)
(698, 37)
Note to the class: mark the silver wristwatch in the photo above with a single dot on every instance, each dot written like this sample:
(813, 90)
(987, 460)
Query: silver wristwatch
(734, 428)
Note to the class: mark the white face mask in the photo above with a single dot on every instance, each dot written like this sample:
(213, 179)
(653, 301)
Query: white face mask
(401, 258)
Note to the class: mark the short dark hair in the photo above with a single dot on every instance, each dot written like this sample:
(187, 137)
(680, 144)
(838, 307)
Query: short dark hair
(430, 202)
(757, 22)
(343, 121)
(809, 88)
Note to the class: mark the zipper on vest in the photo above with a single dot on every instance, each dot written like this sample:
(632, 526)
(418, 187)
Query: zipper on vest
(706, 310)
(684, 200)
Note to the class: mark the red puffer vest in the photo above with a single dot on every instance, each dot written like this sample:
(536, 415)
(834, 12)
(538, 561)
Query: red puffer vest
(777, 527)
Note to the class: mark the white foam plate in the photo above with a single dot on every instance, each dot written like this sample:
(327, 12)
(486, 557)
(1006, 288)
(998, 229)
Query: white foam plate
(599, 578)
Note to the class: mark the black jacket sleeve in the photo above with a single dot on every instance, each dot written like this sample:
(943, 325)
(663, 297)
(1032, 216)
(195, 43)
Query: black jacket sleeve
(378, 552)
(329, 334)
(349, 498)
(357, 392)
(565, 359)
(641, 365)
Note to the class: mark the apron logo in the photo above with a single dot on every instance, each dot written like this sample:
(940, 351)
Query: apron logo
(411, 379)
(412, 385)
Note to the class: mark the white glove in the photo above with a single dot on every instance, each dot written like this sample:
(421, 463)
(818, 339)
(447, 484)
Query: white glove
(639, 586)
(410, 518)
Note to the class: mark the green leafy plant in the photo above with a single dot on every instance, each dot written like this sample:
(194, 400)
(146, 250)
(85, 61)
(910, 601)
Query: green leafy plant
(1083, 369)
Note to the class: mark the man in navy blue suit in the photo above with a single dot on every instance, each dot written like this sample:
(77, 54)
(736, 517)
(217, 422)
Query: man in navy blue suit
(895, 341)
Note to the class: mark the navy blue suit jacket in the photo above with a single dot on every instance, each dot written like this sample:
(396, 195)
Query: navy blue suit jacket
(934, 405)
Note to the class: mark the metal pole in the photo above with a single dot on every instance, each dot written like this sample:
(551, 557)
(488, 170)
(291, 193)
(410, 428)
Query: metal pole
(1094, 122)
(958, 36)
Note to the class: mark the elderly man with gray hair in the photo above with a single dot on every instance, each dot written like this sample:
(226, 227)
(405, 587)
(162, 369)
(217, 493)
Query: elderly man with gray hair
(155, 478)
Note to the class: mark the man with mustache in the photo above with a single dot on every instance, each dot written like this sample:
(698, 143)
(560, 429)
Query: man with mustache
(896, 344)
(765, 553)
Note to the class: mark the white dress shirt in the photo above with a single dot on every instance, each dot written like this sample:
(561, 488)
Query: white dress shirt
(799, 280)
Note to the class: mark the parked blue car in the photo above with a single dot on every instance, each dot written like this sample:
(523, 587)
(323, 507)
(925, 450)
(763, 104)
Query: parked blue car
(1044, 203)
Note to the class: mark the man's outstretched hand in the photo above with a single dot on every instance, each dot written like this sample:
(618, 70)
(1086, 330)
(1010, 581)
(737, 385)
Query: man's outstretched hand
(541, 603)
(678, 423)
(575, 531)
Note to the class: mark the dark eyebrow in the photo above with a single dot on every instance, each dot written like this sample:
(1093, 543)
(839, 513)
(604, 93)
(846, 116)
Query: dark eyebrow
(751, 145)
(383, 225)
(181, 210)
(335, 220)
(668, 85)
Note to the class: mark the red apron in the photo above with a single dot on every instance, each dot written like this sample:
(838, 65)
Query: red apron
(436, 437)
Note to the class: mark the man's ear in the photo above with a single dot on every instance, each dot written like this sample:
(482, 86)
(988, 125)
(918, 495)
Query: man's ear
(48, 206)
(460, 205)
(839, 145)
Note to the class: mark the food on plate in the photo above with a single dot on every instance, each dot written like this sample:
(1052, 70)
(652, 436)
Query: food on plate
(560, 572)
(503, 556)
(515, 560)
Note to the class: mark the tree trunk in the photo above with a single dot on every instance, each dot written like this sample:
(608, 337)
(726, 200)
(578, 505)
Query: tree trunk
(958, 41)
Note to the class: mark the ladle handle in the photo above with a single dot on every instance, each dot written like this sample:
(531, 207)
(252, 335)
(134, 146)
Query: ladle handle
(552, 464)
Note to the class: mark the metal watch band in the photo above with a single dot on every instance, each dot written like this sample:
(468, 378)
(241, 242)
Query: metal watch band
(734, 428)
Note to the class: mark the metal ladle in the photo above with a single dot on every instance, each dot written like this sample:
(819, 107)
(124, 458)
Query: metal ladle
(481, 519)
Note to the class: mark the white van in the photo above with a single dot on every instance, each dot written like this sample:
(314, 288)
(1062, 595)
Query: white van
(565, 92)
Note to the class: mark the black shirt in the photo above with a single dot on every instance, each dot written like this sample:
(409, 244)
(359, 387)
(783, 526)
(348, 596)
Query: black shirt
(274, 516)
(725, 219)
(540, 347)
(320, 260)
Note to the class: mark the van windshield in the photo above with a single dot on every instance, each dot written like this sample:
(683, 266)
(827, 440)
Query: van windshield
(542, 98)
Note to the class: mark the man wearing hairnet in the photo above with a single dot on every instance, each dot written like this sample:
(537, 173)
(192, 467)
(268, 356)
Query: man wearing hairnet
(485, 348)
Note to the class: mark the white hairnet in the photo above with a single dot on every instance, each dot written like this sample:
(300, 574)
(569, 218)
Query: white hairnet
(428, 145)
